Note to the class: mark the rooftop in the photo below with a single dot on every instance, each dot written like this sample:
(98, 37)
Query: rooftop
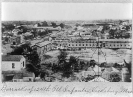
(18, 76)
(11, 57)
(41, 44)
(98, 79)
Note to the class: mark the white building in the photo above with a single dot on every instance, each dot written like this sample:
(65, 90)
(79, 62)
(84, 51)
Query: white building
(13, 62)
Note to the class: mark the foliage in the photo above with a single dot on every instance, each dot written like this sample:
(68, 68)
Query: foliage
(62, 57)
(115, 77)
(129, 66)
(44, 23)
(89, 77)
(54, 24)
(62, 25)
(74, 64)
(9, 27)
(31, 57)
(92, 63)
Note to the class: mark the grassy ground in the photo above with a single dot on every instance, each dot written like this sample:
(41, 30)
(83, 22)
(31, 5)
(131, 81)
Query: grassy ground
(52, 57)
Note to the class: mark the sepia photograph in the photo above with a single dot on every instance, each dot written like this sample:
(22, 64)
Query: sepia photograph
(66, 42)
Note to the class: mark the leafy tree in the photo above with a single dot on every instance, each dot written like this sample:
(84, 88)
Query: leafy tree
(129, 66)
(9, 27)
(77, 24)
(103, 64)
(54, 24)
(67, 69)
(39, 25)
(92, 63)
(89, 77)
(31, 56)
(74, 64)
(23, 29)
(34, 32)
(115, 77)
(44, 24)
(62, 57)
(62, 25)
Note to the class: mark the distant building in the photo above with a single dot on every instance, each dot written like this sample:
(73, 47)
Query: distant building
(47, 28)
(15, 40)
(43, 47)
(24, 76)
(13, 62)
(102, 43)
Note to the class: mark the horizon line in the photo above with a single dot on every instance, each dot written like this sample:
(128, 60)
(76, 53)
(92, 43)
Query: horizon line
(68, 20)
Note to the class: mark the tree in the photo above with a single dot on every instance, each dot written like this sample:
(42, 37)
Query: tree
(31, 56)
(9, 27)
(62, 25)
(129, 66)
(54, 24)
(44, 24)
(115, 77)
(89, 77)
(77, 24)
(67, 69)
(74, 64)
(62, 57)
(92, 63)
(103, 64)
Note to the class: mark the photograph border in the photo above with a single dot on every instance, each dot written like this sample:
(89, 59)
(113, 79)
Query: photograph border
(116, 86)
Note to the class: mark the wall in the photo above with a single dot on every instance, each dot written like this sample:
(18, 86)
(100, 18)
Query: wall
(21, 62)
(7, 65)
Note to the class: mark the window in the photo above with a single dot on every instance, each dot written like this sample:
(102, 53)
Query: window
(30, 79)
(86, 44)
(13, 65)
(23, 63)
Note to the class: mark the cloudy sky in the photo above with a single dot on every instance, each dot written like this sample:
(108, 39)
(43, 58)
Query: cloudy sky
(65, 11)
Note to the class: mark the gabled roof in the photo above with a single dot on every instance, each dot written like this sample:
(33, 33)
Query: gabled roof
(41, 44)
(98, 79)
(11, 57)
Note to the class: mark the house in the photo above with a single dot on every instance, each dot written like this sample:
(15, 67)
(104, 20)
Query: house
(18, 78)
(28, 76)
(43, 47)
(13, 62)
(24, 76)
(15, 40)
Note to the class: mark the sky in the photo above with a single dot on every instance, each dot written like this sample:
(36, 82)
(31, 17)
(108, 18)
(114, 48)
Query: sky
(65, 11)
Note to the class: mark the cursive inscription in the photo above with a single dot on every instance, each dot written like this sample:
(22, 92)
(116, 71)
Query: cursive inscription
(67, 89)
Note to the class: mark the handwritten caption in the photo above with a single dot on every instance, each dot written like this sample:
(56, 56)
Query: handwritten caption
(67, 89)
